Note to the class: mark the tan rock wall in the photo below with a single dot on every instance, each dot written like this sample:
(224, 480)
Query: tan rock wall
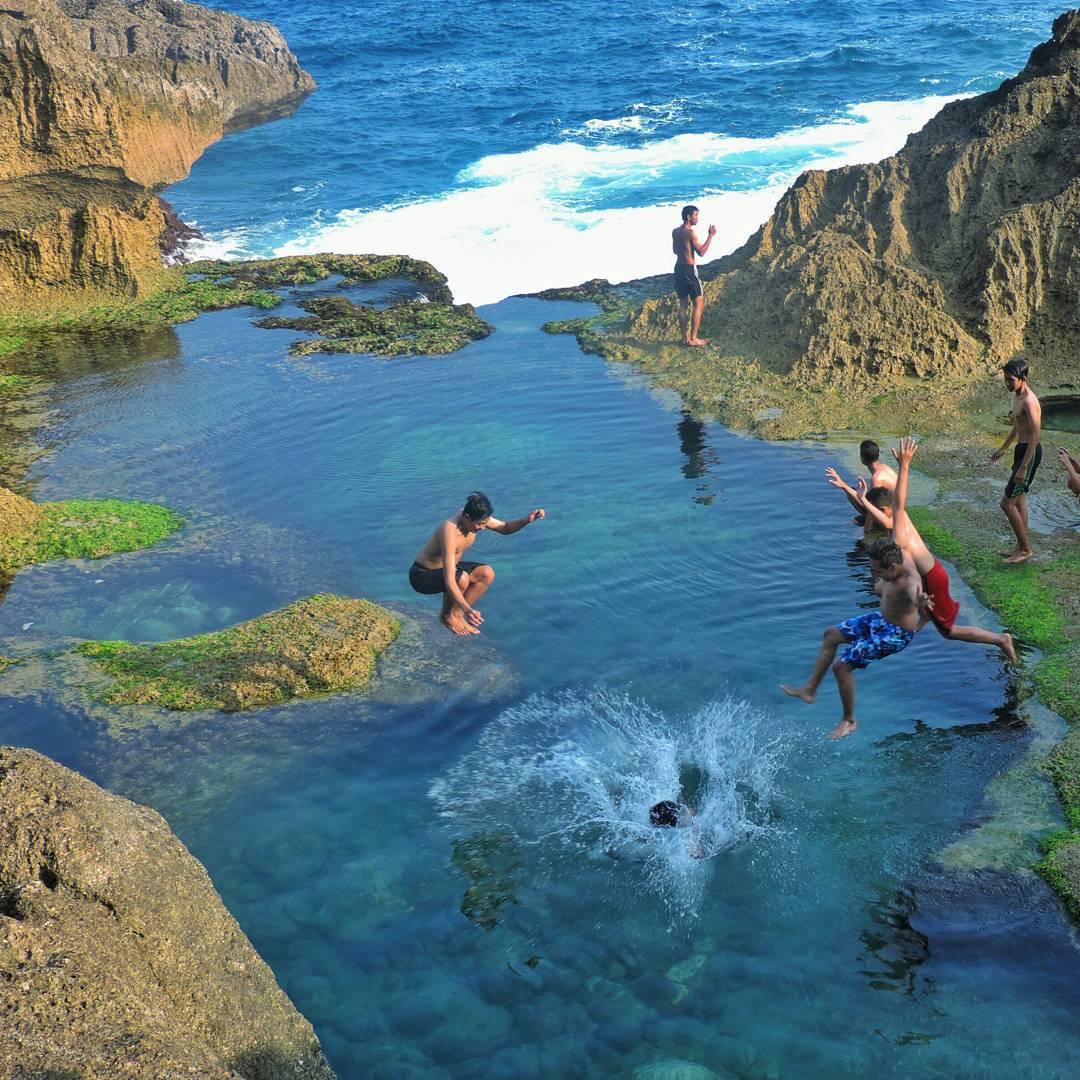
(117, 957)
(950, 257)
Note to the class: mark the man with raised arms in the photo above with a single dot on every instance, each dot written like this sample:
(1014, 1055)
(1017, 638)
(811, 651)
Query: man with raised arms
(685, 246)
(881, 477)
(439, 569)
(941, 607)
(1027, 420)
(871, 636)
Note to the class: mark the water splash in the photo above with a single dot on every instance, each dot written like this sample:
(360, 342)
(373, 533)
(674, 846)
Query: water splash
(572, 777)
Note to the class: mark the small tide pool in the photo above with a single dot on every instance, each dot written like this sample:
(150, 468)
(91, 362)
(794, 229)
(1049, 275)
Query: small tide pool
(458, 880)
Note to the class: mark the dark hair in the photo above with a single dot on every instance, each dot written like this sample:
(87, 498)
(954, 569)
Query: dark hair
(687, 211)
(879, 497)
(664, 814)
(869, 451)
(477, 506)
(886, 552)
(1017, 368)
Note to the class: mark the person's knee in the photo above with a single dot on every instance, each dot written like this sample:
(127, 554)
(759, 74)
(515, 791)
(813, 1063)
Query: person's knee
(1006, 503)
(833, 636)
(841, 667)
(463, 580)
(483, 574)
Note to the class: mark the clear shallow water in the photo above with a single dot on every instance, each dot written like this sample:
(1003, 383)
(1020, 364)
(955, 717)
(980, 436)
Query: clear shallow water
(634, 639)
(509, 141)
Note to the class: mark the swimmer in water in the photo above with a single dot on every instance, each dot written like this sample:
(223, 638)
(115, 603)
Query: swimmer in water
(672, 815)
(439, 569)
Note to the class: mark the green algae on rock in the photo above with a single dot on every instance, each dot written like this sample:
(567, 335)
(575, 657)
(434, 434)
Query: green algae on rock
(410, 328)
(77, 528)
(314, 646)
(117, 956)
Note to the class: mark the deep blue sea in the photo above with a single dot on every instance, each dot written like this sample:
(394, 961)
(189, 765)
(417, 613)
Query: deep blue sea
(520, 145)
(865, 908)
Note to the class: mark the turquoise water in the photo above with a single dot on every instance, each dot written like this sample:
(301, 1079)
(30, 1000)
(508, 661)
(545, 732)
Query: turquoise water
(633, 644)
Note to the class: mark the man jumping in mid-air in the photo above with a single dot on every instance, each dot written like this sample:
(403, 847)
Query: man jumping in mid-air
(942, 608)
(871, 636)
(438, 567)
(687, 284)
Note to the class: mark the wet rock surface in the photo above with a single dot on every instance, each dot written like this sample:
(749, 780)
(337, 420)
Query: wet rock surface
(117, 957)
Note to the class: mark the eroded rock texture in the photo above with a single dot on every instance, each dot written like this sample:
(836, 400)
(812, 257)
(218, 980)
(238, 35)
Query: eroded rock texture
(117, 957)
(955, 254)
(103, 102)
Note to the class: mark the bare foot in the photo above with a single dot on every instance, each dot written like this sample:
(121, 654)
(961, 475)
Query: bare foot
(457, 625)
(1011, 551)
(1019, 556)
(799, 692)
(842, 730)
(1008, 647)
(699, 341)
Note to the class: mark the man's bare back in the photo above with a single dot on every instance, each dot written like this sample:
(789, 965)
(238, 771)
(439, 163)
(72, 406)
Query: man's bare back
(682, 244)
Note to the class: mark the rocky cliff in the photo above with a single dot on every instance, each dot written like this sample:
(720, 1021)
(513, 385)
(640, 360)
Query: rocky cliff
(957, 253)
(117, 958)
(103, 102)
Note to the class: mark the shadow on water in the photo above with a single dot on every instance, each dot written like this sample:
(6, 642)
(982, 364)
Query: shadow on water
(701, 458)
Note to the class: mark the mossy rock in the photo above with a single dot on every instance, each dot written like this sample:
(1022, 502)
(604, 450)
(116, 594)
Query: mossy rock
(414, 327)
(1060, 866)
(77, 528)
(318, 645)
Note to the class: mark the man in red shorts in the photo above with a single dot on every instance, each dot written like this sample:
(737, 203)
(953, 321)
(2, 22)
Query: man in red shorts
(943, 608)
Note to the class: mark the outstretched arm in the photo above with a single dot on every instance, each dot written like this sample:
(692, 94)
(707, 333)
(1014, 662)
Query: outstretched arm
(867, 507)
(1072, 467)
(507, 528)
(901, 522)
(837, 481)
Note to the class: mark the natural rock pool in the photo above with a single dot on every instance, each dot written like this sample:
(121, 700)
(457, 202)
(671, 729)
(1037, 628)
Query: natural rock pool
(849, 920)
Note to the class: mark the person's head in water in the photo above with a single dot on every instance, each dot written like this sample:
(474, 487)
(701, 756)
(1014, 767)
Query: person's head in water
(477, 511)
(1016, 373)
(665, 815)
(869, 452)
(689, 215)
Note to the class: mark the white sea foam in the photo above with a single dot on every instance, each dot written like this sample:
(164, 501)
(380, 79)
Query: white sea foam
(572, 776)
(561, 213)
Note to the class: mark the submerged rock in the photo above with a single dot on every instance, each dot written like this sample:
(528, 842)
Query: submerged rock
(117, 957)
(947, 258)
(313, 646)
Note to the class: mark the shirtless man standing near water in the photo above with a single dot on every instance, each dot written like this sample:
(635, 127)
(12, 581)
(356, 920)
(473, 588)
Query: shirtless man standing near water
(871, 636)
(439, 569)
(1027, 421)
(685, 246)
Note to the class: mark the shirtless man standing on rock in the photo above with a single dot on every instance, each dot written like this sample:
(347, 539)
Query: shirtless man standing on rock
(1027, 421)
(439, 569)
(871, 636)
(685, 246)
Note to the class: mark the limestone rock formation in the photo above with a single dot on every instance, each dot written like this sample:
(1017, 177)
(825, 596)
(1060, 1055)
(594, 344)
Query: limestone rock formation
(17, 515)
(117, 957)
(957, 253)
(103, 102)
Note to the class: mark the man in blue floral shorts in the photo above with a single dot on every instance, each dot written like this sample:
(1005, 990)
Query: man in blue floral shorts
(869, 637)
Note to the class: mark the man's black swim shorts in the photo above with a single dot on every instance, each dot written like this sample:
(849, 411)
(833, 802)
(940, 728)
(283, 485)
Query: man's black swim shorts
(687, 283)
(429, 582)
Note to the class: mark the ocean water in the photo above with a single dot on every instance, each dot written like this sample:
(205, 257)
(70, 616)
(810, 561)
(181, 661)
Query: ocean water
(521, 145)
(453, 876)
